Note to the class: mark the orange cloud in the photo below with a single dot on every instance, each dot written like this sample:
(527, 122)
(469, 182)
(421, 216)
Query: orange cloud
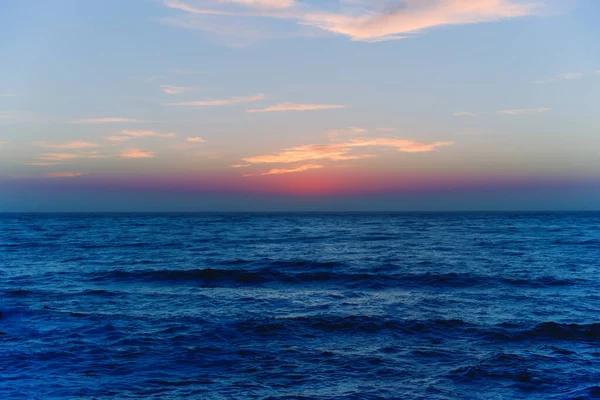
(219, 103)
(352, 130)
(406, 146)
(195, 140)
(136, 153)
(70, 145)
(341, 151)
(301, 168)
(297, 107)
(57, 156)
(108, 120)
(63, 174)
(117, 138)
(139, 134)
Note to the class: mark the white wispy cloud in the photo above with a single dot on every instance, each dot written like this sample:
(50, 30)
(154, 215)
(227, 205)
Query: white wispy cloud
(136, 153)
(468, 114)
(106, 120)
(562, 77)
(521, 111)
(219, 103)
(366, 21)
(265, 4)
(170, 89)
(297, 107)
(516, 111)
(69, 145)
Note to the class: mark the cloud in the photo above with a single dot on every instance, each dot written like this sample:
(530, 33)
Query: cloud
(467, 114)
(70, 145)
(63, 174)
(136, 153)
(142, 133)
(570, 76)
(406, 146)
(107, 120)
(301, 168)
(186, 71)
(240, 165)
(297, 107)
(117, 138)
(57, 156)
(170, 89)
(517, 111)
(367, 21)
(219, 103)
(41, 164)
(352, 130)
(341, 151)
(522, 111)
(264, 4)
(195, 140)
(69, 156)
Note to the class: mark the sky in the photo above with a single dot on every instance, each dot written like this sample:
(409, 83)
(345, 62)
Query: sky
(299, 105)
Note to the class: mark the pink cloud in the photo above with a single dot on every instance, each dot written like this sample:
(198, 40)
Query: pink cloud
(136, 153)
(63, 174)
(297, 107)
(219, 103)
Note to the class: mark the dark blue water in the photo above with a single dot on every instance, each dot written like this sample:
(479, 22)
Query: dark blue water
(363, 306)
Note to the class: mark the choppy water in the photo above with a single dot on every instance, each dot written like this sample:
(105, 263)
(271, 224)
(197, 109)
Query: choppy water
(363, 306)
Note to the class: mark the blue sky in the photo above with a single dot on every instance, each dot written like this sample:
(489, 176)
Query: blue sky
(283, 104)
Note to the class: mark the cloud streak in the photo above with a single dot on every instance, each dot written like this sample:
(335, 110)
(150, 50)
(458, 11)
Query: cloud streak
(69, 145)
(145, 133)
(57, 156)
(524, 111)
(342, 151)
(515, 111)
(107, 120)
(301, 168)
(170, 89)
(563, 77)
(366, 21)
(63, 174)
(297, 107)
(219, 103)
(136, 153)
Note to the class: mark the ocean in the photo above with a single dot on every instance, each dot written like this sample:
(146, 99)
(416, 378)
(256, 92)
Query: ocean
(300, 306)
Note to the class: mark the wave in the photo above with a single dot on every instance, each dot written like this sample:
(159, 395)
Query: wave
(548, 331)
(297, 273)
(430, 328)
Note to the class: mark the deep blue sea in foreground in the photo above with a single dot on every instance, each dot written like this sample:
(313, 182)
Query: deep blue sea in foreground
(300, 306)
